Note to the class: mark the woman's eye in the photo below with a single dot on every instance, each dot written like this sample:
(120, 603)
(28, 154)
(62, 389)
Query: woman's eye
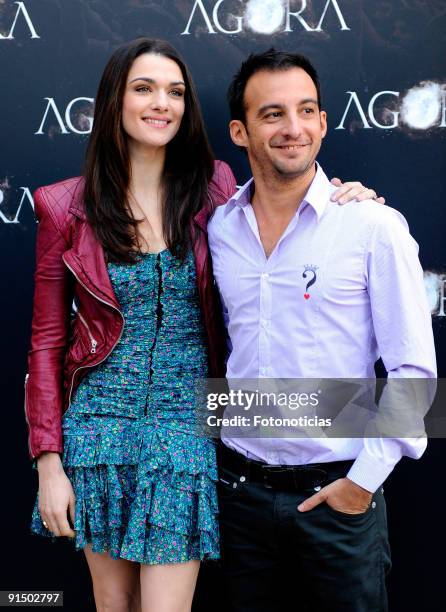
(177, 93)
(143, 88)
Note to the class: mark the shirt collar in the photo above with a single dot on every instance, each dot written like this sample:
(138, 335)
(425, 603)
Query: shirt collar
(317, 195)
(243, 196)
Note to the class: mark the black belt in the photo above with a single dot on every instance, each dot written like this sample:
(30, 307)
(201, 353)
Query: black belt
(285, 477)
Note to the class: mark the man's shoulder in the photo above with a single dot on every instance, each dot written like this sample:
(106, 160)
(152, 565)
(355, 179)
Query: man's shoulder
(222, 214)
(217, 219)
(372, 215)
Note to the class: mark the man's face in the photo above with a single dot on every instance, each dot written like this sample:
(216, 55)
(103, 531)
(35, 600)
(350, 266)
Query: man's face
(284, 128)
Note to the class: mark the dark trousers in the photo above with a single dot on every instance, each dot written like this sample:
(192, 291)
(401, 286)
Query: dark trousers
(276, 558)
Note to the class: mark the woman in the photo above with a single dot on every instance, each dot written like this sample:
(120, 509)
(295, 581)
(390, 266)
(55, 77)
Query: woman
(124, 471)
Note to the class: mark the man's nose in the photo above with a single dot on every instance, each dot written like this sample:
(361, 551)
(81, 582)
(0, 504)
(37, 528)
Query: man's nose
(292, 127)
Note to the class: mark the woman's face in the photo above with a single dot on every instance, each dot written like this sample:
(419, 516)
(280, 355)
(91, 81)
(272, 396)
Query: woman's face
(153, 103)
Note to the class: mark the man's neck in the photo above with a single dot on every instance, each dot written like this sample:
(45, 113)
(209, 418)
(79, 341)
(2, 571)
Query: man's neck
(280, 196)
(275, 203)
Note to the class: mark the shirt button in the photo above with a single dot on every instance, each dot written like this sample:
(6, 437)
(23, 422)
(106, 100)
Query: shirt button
(242, 479)
(265, 275)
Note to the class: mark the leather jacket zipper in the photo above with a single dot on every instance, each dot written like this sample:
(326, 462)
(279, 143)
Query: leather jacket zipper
(26, 418)
(112, 348)
(93, 341)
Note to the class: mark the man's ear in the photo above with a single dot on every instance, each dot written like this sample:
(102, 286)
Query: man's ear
(323, 117)
(238, 133)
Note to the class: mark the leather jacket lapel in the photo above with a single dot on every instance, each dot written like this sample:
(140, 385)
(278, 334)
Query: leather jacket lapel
(86, 260)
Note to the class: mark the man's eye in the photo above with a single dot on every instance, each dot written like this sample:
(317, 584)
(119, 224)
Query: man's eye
(308, 111)
(273, 115)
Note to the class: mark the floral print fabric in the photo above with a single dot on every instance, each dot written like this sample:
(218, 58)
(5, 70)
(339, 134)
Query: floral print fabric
(143, 476)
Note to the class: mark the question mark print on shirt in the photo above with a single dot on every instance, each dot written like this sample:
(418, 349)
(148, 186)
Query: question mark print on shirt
(309, 270)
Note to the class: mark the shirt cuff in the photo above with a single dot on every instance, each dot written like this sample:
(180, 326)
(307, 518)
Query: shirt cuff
(369, 472)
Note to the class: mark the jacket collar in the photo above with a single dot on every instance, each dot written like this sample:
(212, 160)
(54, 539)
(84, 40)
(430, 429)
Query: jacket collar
(86, 257)
(201, 218)
(87, 262)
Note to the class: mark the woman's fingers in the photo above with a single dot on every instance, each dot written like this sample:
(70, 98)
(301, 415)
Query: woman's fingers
(56, 521)
(64, 526)
(49, 521)
(71, 508)
(346, 191)
(369, 194)
(59, 520)
(46, 521)
(364, 194)
(353, 190)
(56, 497)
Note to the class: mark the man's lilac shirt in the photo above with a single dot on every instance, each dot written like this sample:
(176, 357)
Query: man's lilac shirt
(368, 301)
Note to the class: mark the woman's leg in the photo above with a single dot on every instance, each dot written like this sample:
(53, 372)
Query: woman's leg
(168, 588)
(115, 582)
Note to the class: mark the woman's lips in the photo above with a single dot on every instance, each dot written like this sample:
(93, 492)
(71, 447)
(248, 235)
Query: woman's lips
(156, 123)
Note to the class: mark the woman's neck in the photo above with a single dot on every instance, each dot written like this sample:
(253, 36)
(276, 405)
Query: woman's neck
(146, 171)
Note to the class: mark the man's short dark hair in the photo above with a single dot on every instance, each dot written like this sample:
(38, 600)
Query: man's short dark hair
(272, 61)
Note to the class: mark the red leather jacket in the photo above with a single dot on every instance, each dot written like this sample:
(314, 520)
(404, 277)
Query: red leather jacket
(71, 263)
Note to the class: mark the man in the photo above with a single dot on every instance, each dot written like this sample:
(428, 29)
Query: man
(323, 518)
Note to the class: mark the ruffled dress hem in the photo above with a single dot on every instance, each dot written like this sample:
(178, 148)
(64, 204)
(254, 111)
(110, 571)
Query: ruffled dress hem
(168, 469)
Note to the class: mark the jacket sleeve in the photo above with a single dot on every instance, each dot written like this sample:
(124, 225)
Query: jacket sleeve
(50, 324)
(223, 184)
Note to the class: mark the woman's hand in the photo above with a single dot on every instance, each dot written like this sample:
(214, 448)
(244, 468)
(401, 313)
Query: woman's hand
(56, 495)
(353, 190)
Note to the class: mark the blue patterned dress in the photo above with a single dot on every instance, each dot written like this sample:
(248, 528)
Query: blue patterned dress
(143, 477)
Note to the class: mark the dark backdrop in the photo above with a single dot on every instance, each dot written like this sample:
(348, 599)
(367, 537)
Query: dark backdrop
(383, 74)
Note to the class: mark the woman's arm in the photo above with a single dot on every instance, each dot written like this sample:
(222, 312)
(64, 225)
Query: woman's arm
(50, 324)
(44, 386)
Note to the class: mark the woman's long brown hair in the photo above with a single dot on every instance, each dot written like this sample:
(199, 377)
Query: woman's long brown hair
(187, 171)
